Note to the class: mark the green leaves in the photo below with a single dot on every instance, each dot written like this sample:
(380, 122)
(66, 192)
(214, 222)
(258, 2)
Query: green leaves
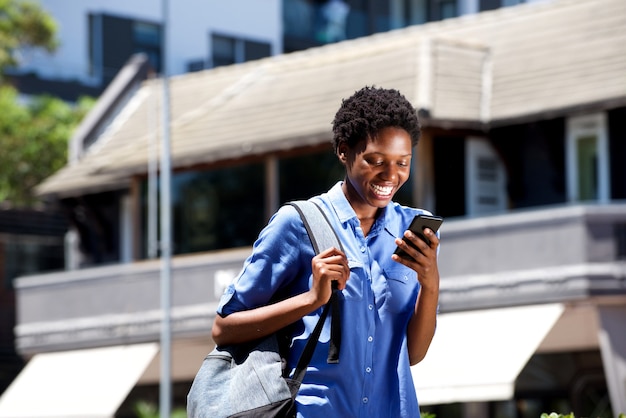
(24, 24)
(33, 139)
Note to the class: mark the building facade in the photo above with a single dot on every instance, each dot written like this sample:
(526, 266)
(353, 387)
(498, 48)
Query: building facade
(523, 113)
(96, 39)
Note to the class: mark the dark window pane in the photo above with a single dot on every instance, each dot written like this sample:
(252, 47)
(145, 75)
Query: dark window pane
(214, 209)
(489, 4)
(224, 52)
(442, 9)
(146, 34)
(255, 50)
(308, 175)
(30, 256)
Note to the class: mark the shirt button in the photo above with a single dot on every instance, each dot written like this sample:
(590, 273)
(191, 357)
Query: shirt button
(365, 400)
(368, 369)
(370, 307)
(370, 338)
(362, 249)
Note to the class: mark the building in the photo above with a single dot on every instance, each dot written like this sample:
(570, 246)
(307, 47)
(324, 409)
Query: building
(98, 37)
(31, 241)
(523, 113)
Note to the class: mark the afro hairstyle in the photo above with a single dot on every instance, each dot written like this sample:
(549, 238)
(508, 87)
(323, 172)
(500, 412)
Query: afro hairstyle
(369, 110)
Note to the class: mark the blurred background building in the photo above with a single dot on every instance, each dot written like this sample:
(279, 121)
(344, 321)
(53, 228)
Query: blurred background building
(524, 127)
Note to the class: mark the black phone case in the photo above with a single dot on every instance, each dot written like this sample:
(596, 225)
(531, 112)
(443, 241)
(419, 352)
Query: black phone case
(417, 227)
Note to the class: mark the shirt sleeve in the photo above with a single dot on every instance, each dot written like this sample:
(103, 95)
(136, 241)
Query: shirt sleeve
(273, 266)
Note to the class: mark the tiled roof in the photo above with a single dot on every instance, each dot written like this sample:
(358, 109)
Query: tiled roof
(514, 62)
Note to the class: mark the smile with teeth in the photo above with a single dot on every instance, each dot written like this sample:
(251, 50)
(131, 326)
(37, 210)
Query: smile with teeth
(383, 191)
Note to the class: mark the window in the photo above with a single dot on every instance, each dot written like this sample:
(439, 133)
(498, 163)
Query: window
(213, 209)
(230, 50)
(407, 12)
(495, 4)
(30, 254)
(485, 178)
(147, 39)
(441, 9)
(112, 41)
(587, 159)
(308, 175)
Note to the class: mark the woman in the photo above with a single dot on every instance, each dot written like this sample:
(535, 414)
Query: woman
(388, 303)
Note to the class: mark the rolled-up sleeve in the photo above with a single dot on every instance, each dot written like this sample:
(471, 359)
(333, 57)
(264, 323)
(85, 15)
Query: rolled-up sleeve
(273, 266)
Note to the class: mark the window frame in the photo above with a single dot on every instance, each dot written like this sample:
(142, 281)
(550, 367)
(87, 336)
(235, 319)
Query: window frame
(582, 127)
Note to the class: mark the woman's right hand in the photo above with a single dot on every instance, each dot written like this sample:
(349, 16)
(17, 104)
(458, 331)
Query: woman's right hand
(330, 265)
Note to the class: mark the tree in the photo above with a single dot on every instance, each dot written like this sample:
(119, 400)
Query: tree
(33, 139)
(33, 133)
(23, 25)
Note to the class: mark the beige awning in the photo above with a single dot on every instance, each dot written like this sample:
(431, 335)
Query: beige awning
(90, 383)
(477, 355)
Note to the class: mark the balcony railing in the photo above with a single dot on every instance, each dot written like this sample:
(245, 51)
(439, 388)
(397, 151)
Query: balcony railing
(525, 257)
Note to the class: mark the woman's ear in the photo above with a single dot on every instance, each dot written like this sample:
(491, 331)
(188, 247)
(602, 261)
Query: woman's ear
(341, 153)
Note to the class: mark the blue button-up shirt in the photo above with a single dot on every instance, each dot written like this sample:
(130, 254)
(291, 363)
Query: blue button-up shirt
(373, 377)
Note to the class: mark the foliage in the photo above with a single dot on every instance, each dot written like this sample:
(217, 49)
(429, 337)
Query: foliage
(24, 24)
(148, 410)
(427, 415)
(33, 139)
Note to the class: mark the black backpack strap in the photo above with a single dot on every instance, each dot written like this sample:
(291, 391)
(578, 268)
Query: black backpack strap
(322, 236)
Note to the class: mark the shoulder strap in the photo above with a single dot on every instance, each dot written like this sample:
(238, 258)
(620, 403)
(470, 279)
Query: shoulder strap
(320, 231)
(322, 236)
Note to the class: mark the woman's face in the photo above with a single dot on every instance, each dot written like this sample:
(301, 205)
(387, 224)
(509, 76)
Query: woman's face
(376, 168)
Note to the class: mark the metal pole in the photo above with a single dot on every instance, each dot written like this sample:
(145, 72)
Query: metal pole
(165, 384)
(153, 170)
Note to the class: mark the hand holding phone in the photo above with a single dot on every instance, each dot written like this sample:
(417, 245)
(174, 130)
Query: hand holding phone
(417, 226)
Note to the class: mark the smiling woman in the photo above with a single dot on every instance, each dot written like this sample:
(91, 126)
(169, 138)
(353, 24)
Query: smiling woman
(388, 304)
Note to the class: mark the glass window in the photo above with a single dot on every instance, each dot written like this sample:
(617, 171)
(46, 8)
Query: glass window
(147, 39)
(587, 159)
(254, 50)
(112, 40)
(441, 9)
(489, 5)
(146, 34)
(308, 175)
(223, 50)
(299, 18)
(30, 255)
(228, 50)
(214, 209)
(586, 148)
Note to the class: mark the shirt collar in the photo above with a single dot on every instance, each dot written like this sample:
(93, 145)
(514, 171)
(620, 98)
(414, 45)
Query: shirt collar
(346, 213)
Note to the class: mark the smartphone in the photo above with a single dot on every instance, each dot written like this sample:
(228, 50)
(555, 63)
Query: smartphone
(417, 227)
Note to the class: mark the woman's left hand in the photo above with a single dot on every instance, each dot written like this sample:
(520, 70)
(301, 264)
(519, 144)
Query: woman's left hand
(423, 259)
